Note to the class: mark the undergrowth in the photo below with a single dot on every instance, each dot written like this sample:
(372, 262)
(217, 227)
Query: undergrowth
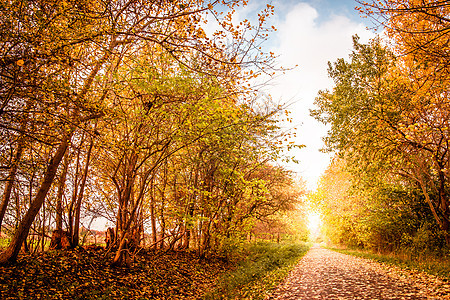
(264, 266)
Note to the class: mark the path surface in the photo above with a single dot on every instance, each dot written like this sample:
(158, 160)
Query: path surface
(325, 274)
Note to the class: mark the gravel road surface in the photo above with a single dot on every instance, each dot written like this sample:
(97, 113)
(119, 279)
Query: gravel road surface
(326, 274)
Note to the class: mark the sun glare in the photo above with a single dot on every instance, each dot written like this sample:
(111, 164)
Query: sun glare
(313, 221)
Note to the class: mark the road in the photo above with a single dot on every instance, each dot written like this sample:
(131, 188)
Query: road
(326, 274)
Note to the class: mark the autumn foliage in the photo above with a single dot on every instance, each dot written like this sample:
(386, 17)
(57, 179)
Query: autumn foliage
(389, 115)
(132, 111)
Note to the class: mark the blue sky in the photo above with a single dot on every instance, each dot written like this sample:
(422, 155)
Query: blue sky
(309, 34)
(327, 8)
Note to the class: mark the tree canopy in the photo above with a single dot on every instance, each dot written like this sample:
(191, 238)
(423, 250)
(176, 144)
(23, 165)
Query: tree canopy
(129, 110)
(389, 109)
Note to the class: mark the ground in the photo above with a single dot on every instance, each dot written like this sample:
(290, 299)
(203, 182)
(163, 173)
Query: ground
(325, 274)
(87, 274)
(320, 274)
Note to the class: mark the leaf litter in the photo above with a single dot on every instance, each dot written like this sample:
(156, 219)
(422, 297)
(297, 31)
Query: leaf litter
(87, 274)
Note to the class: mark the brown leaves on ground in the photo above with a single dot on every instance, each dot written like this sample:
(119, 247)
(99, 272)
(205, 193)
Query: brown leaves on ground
(87, 274)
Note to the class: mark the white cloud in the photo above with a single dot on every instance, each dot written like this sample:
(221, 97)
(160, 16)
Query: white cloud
(309, 40)
(302, 40)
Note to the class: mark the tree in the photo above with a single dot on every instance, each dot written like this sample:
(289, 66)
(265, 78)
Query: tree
(419, 33)
(384, 119)
(418, 29)
(340, 209)
(62, 56)
(116, 99)
(372, 212)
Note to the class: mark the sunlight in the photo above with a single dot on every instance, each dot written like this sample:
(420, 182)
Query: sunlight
(314, 222)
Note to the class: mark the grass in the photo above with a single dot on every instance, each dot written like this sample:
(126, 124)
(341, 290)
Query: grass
(263, 267)
(439, 266)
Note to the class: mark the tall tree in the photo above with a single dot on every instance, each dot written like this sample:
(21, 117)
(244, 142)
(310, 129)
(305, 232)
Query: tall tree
(61, 55)
(383, 118)
(155, 84)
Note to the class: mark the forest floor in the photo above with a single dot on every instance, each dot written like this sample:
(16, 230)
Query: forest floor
(326, 274)
(82, 273)
(88, 274)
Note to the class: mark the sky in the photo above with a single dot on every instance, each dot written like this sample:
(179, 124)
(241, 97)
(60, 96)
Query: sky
(309, 35)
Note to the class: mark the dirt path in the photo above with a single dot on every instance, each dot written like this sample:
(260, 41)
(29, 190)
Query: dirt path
(325, 274)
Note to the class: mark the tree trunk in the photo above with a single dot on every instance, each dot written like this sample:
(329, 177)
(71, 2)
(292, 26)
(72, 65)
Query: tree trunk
(153, 221)
(10, 254)
(444, 222)
(163, 230)
(15, 164)
(76, 225)
(187, 225)
(43, 228)
(125, 215)
(74, 194)
(10, 180)
(205, 240)
(444, 205)
(56, 243)
(187, 238)
(188, 229)
(446, 229)
(154, 242)
(122, 256)
(25, 248)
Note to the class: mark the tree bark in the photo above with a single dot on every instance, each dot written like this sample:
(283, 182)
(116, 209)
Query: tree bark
(59, 210)
(122, 255)
(193, 198)
(10, 180)
(10, 254)
(187, 226)
(444, 222)
(43, 228)
(444, 205)
(76, 225)
(153, 219)
(74, 194)
(15, 164)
